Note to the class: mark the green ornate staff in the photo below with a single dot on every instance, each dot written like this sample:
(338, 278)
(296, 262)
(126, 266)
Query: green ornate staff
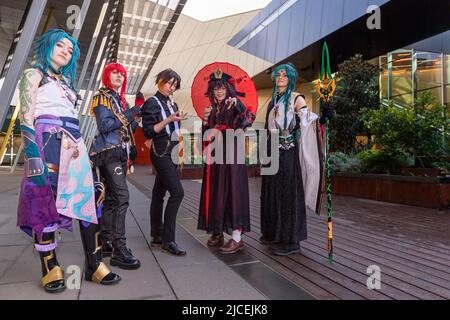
(326, 87)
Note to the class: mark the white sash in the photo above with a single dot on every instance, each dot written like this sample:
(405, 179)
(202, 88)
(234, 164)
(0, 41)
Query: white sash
(163, 113)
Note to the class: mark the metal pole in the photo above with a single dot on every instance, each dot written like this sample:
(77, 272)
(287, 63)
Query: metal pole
(91, 132)
(14, 42)
(19, 152)
(389, 59)
(20, 56)
(444, 80)
(89, 55)
(414, 76)
(13, 119)
(47, 21)
(92, 45)
(94, 71)
(81, 18)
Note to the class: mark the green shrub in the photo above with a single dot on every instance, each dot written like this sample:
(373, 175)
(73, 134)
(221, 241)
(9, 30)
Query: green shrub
(421, 131)
(357, 88)
(340, 162)
(376, 161)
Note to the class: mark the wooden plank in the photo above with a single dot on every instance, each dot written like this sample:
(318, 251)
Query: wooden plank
(318, 279)
(396, 276)
(410, 245)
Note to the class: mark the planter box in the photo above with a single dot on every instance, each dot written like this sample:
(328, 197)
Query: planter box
(426, 192)
(424, 172)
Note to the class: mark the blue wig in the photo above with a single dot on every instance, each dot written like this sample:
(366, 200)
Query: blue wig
(292, 75)
(43, 52)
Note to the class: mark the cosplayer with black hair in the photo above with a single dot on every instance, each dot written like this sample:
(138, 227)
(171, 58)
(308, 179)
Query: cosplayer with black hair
(160, 120)
(58, 184)
(297, 184)
(224, 200)
(111, 151)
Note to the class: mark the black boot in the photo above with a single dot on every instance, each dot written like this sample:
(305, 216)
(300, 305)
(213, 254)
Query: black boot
(124, 259)
(52, 274)
(95, 270)
(284, 249)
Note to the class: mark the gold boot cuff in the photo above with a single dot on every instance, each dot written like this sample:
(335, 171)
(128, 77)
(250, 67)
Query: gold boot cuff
(53, 275)
(101, 272)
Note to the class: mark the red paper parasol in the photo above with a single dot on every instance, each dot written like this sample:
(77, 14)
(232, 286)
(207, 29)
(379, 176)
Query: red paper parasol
(241, 80)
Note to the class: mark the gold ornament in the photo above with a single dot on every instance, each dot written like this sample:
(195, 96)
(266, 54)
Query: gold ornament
(218, 73)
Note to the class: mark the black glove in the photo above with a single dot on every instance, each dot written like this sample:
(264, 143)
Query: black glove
(327, 113)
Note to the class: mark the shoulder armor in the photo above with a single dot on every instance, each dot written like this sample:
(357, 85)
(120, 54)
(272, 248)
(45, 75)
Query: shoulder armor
(102, 97)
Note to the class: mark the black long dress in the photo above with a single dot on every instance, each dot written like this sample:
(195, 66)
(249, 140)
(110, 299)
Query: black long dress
(283, 210)
(226, 206)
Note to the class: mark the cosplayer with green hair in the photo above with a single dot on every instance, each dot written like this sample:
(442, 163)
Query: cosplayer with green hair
(291, 74)
(287, 194)
(58, 185)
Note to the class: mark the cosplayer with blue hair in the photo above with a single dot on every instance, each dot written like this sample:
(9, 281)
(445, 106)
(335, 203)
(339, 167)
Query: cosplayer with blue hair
(43, 52)
(291, 74)
(57, 171)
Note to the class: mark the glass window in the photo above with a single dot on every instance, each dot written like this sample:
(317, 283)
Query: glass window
(384, 76)
(402, 74)
(403, 99)
(436, 92)
(429, 70)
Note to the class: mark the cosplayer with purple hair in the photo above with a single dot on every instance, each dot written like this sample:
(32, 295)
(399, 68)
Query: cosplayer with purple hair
(58, 184)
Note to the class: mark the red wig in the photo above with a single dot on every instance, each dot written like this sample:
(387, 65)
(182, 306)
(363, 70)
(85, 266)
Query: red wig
(106, 79)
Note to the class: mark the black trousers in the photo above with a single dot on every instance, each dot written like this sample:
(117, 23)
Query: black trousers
(167, 179)
(115, 205)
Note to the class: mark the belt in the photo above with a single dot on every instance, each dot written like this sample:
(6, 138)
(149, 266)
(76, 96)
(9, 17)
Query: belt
(52, 168)
(59, 123)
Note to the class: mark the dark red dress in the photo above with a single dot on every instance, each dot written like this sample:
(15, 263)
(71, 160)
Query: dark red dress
(224, 201)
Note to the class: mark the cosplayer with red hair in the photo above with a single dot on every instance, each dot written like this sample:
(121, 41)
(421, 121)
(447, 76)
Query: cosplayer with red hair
(112, 149)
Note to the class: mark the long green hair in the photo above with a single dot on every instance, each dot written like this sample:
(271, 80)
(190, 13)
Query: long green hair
(291, 74)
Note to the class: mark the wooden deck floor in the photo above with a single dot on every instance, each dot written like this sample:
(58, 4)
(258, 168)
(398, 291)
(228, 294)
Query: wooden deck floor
(410, 245)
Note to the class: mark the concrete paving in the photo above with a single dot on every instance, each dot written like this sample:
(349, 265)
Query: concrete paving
(198, 275)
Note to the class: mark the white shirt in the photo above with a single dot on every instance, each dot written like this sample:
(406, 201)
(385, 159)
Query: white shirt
(52, 99)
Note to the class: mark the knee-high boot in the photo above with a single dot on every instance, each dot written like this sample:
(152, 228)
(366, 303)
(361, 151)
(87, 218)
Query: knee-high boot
(52, 274)
(95, 270)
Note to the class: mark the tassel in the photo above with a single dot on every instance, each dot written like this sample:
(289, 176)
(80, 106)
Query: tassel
(93, 104)
(330, 241)
(180, 152)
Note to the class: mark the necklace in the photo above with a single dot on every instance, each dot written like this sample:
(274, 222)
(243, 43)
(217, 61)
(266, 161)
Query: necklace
(54, 71)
